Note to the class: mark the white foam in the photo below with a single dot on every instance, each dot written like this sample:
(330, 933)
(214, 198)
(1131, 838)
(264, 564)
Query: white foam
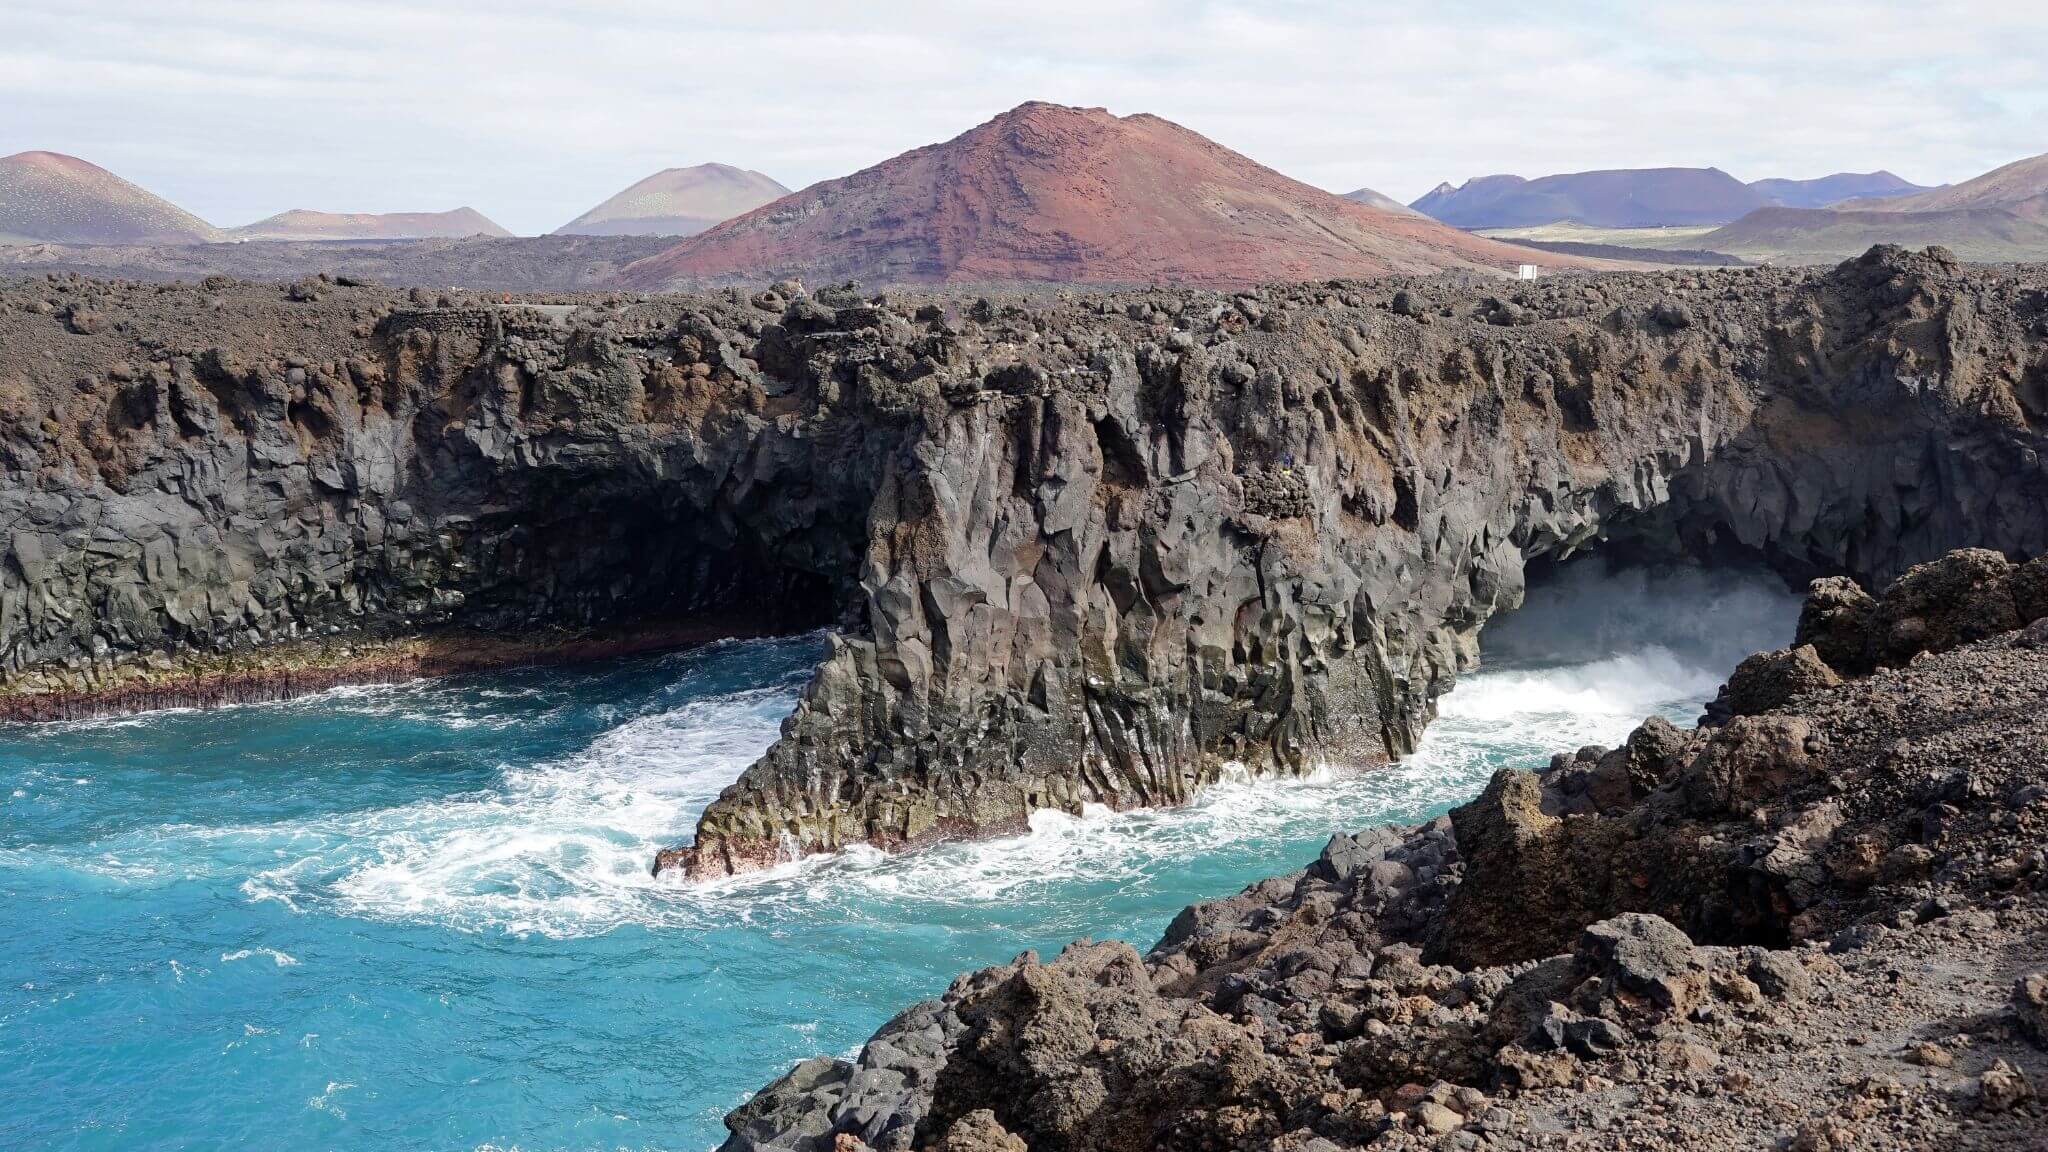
(324, 1102)
(1628, 684)
(282, 960)
(560, 848)
(1526, 714)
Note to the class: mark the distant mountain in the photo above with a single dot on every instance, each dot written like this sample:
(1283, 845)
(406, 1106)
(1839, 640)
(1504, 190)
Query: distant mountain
(1997, 217)
(305, 224)
(1824, 235)
(1372, 199)
(1050, 193)
(1834, 189)
(48, 197)
(678, 202)
(1618, 198)
(2020, 188)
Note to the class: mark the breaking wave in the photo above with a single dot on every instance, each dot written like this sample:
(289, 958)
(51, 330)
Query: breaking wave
(557, 848)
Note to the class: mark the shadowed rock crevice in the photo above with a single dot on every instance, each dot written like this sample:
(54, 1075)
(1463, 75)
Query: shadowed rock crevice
(621, 551)
(197, 518)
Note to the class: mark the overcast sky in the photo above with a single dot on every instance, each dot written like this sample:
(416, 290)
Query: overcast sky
(534, 112)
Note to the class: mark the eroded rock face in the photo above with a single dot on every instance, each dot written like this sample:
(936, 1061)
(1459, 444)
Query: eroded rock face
(1084, 550)
(223, 479)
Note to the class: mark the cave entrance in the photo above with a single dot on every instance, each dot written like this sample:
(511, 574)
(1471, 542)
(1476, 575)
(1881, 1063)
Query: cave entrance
(1602, 602)
(627, 557)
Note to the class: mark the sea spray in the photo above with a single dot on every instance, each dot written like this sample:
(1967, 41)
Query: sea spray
(1588, 608)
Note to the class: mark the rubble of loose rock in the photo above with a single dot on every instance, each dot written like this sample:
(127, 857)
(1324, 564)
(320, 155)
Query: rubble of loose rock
(1818, 921)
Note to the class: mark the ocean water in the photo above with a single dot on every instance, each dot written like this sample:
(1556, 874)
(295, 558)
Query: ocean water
(419, 916)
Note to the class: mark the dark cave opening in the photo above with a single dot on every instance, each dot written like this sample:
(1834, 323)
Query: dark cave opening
(625, 557)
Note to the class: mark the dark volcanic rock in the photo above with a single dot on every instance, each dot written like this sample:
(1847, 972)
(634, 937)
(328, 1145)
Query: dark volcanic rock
(1839, 622)
(1084, 549)
(1769, 679)
(1269, 543)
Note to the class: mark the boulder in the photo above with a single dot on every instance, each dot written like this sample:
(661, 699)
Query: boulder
(2003, 1087)
(2029, 584)
(794, 1112)
(1653, 754)
(1750, 758)
(1964, 596)
(1346, 856)
(1647, 956)
(1839, 621)
(1767, 681)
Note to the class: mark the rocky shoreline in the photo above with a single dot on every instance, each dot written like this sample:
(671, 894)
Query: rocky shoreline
(285, 671)
(1079, 548)
(1819, 921)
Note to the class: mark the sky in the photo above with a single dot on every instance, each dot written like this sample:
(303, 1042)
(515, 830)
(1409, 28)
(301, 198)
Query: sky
(534, 112)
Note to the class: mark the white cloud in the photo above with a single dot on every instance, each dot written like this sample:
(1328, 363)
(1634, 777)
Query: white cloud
(533, 112)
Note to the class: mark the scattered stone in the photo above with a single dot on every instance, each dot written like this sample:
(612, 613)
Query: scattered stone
(1826, 1135)
(1436, 1119)
(2002, 1088)
(1928, 1054)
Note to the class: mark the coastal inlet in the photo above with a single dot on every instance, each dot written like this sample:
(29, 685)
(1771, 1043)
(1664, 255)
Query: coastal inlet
(418, 916)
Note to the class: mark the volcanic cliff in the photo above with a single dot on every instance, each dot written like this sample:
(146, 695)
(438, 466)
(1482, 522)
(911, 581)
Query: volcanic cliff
(1080, 549)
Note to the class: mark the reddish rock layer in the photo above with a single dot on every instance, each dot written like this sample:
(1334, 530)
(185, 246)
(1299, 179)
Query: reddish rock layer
(2020, 188)
(1049, 193)
(297, 670)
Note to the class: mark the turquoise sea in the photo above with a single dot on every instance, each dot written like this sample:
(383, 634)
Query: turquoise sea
(419, 916)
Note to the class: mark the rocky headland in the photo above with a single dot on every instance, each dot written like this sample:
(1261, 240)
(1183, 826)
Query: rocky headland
(1818, 921)
(1079, 549)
